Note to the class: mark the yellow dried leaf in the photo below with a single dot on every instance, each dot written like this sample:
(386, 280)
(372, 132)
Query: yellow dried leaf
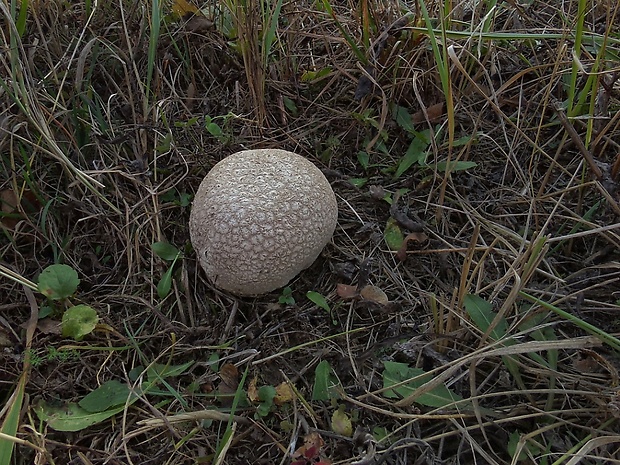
(341, 423)
(253, 390)
(284, 394)
(182, 7)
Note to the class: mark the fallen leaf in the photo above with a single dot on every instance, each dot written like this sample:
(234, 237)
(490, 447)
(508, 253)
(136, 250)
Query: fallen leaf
(229, 375)
(12, 206)
(284, 393)
(229, 383)
(434, 113)
(198, 25)
(341, 423)
(182, 7)
(346, 291)
(590, 361)
(374, 294)
(417, 237)
(49, 326)
(253, 390)
(313, 442)
(377, 192)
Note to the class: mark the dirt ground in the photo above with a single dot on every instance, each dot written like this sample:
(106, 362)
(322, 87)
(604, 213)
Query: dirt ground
(478, 240)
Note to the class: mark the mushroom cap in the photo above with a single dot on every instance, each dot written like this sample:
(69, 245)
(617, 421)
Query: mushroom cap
(259, 218)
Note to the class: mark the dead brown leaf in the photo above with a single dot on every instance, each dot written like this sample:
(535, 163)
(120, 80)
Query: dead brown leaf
(313, 443)
(5, 338)
(416, 237)
(434, 113)
(12, 204)
(49, 326)
(198, 25)
(229, 375)
(374, 294)
(346, 292)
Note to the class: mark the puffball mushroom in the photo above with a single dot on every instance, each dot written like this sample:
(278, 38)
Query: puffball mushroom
(259, 218)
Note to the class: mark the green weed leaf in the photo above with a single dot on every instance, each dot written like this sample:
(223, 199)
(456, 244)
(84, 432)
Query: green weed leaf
(58, 282)
(79, 321)
(325, 382)
(393, 235)
(319, 300)
(290, 106)
(308, 76)
(363, 158)
(266, 394)
(455, 166)
(482, 314)
(358, 182)
(403, 118)
(215, 130)
(72, 417)
(160, 371)
(165, 251)
(110, 394)
(395, 373)
(416, 153)
(165, 284)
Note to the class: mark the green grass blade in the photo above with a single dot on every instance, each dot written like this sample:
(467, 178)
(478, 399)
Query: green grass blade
(224, 443)
(153, 40)
(11, 421)
(575, 70)
(358, 53)
(604, 336)
(269, 38)
(21, 19)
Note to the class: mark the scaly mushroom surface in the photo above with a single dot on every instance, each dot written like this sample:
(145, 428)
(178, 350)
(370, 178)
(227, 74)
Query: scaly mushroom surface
(259, 218)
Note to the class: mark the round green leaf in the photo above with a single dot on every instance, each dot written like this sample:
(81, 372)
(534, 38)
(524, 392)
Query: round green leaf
(57, 282)
(79, 321)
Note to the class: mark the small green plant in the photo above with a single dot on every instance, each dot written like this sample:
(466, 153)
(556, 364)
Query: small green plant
(179, 198)
(58, 283)
(52, 355)
(286, 298)
(169, 253)
(107, 400)
(418, 150)
(266, 396)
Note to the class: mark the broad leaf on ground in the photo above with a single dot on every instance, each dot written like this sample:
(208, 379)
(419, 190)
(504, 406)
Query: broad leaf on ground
(396, 373)
(58, 282)
(79, 321)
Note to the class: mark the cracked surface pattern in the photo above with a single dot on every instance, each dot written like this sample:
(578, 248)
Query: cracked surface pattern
(259, 218)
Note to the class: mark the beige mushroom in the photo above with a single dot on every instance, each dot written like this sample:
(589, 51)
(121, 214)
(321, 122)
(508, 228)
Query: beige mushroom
(259, 218)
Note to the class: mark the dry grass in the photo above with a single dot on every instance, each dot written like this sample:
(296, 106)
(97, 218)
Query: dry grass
(94, 169)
